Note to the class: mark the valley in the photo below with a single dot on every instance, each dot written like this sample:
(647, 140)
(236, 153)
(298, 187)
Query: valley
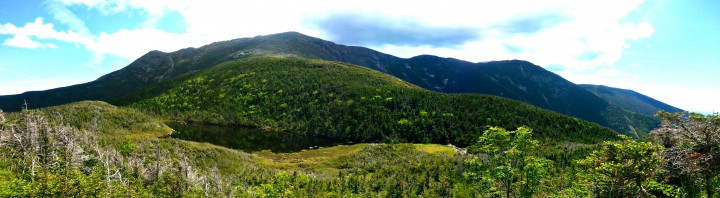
(288, 115)
(250, 139)
(514, 79)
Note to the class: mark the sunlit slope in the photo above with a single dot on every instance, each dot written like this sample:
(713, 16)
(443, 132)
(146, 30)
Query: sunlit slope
(514, 79)
(345, 101)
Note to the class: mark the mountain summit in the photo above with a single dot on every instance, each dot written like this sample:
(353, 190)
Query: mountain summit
(515, 79)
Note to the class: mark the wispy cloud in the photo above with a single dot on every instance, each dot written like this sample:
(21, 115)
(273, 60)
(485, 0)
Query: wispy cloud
(533, 23)
(25, 36)
(62, 14)
(581, 40)
(131, 44)
(570, 36)
(376, 30)
(23, 41)
(610, 72)
(577, 35)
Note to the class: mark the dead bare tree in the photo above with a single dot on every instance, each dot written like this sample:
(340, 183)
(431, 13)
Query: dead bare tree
(692, 143)
(2, 117)
(3, 135)
(42, 144)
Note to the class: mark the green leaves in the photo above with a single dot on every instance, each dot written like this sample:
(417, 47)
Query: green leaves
(502, 161)
(622, 168)
(126, 148)
(404, 122)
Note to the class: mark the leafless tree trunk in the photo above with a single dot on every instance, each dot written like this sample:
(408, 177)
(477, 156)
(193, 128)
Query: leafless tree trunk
(46, 144)
(693, 145)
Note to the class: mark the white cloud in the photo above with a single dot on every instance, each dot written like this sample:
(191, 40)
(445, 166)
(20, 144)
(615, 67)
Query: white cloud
(207, 21)
(26, 42)
(62, 14)
(610, 72)
(42, 30)
(592, 35)
(131, 44)
(153, 10)
(23, 36)
(588, 35)
(584, 37)
(223, 20)
(89, 3)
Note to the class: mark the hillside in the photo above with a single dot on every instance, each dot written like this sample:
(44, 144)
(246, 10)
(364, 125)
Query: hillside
(518, 80)
(343, 101)
(95, 149)
(630, 100)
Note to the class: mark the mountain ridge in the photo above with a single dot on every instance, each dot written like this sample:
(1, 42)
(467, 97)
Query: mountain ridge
(515, 79)
(631, 100)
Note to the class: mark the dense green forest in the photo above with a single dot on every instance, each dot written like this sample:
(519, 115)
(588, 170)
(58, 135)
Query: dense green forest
(96, 149)
(103, 150)
(514, 79)
(322, 98)
(506, 148)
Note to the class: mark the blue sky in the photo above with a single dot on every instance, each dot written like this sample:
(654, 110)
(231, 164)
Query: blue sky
(666, 49)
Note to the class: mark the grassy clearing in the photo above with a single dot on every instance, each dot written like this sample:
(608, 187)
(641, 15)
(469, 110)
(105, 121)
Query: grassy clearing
(435, 149)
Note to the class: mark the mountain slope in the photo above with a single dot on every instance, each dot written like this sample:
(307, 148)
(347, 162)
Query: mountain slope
(93, 149)
(518, 80)
(630, 100)
(148, 69)
(343, 101)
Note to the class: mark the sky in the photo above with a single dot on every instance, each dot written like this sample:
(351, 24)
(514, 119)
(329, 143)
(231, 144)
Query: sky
(666, 49)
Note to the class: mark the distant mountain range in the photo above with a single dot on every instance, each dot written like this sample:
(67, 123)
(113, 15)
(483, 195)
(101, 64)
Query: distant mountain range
(622, 110)
(630, 100)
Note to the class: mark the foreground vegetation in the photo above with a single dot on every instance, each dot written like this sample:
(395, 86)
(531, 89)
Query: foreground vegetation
(44, 157)
(509, 149)
(96, 149)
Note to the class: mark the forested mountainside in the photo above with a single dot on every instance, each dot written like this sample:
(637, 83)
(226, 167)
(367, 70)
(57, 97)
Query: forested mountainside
(96, 149)
(520, 80)
(508, 148)
(345, 101)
